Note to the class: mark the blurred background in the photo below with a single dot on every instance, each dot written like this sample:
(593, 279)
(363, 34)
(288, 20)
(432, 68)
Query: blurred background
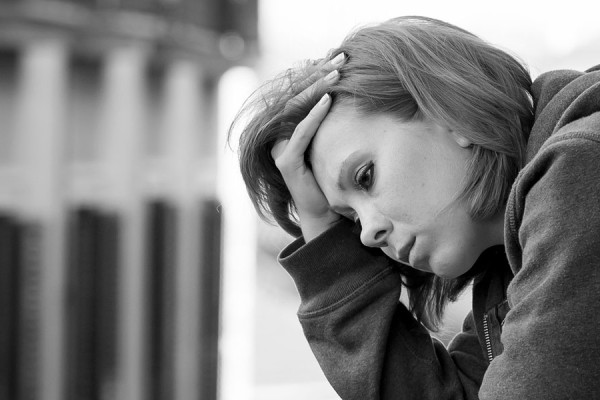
(132, 265)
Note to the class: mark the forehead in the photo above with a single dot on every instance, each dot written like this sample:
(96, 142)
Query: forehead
(344, 134)
(342, 130)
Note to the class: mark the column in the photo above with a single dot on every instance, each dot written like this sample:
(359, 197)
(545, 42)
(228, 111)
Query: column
(40, 118)
(180, 129)
(121, 128)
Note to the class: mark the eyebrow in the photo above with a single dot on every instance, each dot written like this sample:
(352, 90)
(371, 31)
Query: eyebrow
(346, 164)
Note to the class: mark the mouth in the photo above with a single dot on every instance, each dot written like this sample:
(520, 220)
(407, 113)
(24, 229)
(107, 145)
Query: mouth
(403, 254)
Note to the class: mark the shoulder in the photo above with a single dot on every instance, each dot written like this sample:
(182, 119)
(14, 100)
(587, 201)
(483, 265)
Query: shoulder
(562, 181)
(565, 101)
(565, 159)
(567, 130)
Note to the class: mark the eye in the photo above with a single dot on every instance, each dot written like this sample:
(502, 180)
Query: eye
(363, 180)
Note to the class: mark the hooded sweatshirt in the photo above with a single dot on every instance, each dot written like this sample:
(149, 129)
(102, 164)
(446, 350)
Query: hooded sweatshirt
(532, 333)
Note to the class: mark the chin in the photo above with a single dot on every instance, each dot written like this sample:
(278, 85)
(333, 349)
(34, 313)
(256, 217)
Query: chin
(451, 270)
(447, 275)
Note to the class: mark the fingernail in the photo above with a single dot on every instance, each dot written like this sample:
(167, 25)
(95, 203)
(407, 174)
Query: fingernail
(338, 59)
(324, 99)
(332, 75)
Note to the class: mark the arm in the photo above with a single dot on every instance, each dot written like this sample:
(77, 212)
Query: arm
(550, 336)
(367, 343)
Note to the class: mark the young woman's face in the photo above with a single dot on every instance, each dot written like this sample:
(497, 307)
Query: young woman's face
(402, 180)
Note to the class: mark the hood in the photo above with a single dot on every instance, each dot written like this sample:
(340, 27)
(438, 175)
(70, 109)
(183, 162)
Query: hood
(561, 97)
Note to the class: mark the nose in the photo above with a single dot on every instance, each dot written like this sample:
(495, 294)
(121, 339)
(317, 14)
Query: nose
(375, 229)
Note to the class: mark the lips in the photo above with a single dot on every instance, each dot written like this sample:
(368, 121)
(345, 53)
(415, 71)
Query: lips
(404, 252)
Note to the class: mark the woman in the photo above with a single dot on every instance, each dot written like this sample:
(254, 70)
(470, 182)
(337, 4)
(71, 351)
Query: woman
(418, 155)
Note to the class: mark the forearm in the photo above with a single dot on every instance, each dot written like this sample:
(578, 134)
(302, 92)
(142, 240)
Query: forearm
(366, 341)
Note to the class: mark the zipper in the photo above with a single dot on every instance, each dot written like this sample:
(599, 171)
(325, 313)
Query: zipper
(488, 341)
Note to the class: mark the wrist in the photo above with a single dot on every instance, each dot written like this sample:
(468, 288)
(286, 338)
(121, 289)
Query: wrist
(313, 227)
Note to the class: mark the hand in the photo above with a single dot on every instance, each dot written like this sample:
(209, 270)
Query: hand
(313, 208)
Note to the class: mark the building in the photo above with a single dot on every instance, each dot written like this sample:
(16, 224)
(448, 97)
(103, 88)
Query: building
(109, 226)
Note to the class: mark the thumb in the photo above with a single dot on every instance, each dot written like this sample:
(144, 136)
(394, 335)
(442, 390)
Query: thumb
(278, 148)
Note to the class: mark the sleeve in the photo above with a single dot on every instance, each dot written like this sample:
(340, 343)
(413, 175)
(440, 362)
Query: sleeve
(365, 340)
(550, 336)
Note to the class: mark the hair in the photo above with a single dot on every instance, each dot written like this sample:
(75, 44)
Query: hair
(411, 68)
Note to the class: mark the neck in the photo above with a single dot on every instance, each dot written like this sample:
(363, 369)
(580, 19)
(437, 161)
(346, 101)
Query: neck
(496, 229)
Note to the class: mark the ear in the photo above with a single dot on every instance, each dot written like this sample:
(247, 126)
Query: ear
(461, 140)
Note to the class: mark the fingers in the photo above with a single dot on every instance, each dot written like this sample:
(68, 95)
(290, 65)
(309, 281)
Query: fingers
(290, 152)
(294, 148)
(332, 65)
(335, 63)
(307, 128)
(278, 148)
(322, 78)
(322, 67)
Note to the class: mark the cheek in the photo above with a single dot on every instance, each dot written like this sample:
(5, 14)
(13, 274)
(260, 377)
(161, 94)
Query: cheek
(411, 184)
(457, 246)
(409, 203)
(432, 195)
